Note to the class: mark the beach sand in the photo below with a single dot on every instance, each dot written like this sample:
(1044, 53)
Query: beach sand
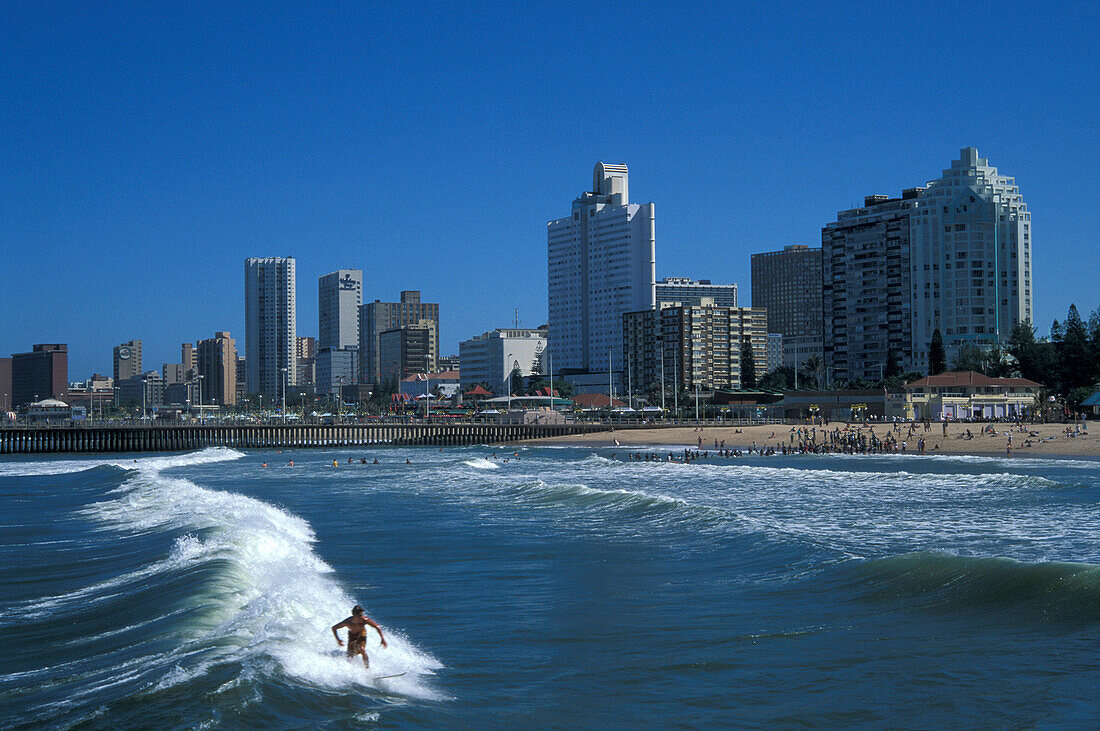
(1050, 442)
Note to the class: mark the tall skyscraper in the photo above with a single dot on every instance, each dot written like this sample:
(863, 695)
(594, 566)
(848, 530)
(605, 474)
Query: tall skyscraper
(405, 350)
(866, 284)
(127, 358)
(971, 258)
(217, 358)
(339, 295)
(787, 284)
(39, 374)
(377, 317)
(306, 354)
(672, 290)
(270, 324)
(601, 263)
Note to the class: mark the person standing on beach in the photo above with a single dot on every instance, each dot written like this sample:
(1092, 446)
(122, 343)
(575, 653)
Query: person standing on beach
(357, 625)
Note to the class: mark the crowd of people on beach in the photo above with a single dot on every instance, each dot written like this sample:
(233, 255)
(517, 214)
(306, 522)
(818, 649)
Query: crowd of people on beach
(891, 438)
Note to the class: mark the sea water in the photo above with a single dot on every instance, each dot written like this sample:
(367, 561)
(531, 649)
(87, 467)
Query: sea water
(548, 587)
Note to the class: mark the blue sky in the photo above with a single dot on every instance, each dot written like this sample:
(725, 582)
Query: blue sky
(145, 151)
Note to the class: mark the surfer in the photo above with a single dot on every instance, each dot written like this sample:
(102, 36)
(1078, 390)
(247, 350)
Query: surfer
(357, 625)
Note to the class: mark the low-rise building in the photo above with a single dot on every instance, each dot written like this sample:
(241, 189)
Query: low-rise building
(962, 395)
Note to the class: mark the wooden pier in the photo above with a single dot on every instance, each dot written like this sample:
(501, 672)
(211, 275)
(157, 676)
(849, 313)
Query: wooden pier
(135, 438)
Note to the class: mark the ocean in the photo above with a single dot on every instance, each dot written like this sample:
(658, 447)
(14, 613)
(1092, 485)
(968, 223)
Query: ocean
(548, 588)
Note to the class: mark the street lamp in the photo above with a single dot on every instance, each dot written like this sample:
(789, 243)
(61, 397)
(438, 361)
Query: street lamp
(284, 393)
(510, 369)
(302, 403)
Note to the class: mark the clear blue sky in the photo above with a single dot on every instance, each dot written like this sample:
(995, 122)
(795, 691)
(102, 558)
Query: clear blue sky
(146, 150)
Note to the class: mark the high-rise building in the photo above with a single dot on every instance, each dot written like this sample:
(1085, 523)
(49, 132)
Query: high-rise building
(692, 345)
(187, 356)
(217, 362)
(39, 374)
(336, 368)
(970, 238)
(339, 295)
(306, 355)
(787, 284)
(172, 373)
(490, 357)
(866, 284)
(405, 350)
(684, 291)
(5, 384)
(127, 357)
(270, 324)
(377, 317)
(601, 263)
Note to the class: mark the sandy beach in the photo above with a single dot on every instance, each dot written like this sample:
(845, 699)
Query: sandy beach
(1038, 440)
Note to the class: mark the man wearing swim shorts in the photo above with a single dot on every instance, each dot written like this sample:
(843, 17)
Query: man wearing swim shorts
(357, 625)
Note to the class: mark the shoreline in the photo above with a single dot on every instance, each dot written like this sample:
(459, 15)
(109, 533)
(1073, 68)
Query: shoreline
(1037, 440)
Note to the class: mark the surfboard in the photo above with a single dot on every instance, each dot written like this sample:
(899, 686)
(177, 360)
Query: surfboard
(383, 677)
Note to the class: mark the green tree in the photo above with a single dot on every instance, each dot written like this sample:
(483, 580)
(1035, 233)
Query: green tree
(937, 356)
(748, 364)
(893, 365)
(1075, 353)
(779, 379)
(812, 368)
(969, 358)
(516, 381)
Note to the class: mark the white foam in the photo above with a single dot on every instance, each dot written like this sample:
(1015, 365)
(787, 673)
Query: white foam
(480, 463)
(272, 601)
(155, 464)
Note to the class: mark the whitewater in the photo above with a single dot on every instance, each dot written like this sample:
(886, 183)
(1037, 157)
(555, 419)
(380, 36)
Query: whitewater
(546, 587)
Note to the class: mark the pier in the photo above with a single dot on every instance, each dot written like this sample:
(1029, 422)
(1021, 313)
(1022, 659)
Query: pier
(174, 438)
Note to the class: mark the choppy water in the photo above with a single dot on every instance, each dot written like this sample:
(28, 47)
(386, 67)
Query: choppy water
(561, 589)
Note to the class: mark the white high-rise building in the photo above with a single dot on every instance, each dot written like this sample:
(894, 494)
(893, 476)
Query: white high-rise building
(339, 295)
(601, 263)
(270, 325)
(970, 239)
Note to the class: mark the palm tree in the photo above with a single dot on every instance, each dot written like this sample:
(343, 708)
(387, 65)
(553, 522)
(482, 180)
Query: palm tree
(813, 367)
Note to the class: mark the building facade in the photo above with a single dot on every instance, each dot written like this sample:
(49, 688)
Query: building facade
(601, 263)
(217, 362)
(969, 395)
(336, 368)
(270, 324)
(678, 348)
(403, 351)
(491, 357)
(339, 296)
(305, 355)
(144, 390)
(971, 259)
(127, 360)
(39, 374)
(377, 317)
(684, 291)
(787, 284)
(865, 271)
(5, 385)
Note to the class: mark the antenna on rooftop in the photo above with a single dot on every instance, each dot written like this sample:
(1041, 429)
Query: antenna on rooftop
(516, 322)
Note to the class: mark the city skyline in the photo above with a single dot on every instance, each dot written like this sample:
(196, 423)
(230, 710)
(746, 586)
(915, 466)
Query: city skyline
(146, 154)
